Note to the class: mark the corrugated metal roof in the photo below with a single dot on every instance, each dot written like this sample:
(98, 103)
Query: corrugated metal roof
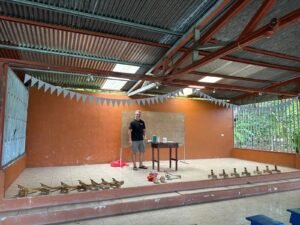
(173, 15)
(66, 61)
(280, 9)
(7, 53)
(285, 42)
(264, 58)
(236, 25)
(166, 20)
(88, 45)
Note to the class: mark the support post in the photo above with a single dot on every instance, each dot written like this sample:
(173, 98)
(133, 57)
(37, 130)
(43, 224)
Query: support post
(3, 80)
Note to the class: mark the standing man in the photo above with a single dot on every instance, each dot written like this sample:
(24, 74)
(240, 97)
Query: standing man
(136, 135)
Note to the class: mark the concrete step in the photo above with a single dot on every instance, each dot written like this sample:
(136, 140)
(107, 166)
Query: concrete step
(124, 201)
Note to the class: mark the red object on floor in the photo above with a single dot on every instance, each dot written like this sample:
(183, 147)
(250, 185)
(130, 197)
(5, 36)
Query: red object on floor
(151, 176)
(118, 163)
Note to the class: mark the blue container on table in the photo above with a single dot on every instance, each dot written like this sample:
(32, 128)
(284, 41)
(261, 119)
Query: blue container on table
(154, 139)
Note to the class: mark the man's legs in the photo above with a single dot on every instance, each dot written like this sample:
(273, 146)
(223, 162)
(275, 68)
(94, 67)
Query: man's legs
(141, 155)
(141, 158)
(134, 151)
(134, 158)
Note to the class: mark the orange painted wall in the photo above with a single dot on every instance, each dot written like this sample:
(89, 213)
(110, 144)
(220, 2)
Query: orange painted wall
(2, 181)
(278, 158)
(14, 170)
(64, 132)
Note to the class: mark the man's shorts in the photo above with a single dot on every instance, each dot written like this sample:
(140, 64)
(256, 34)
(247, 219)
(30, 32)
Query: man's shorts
(138, 146)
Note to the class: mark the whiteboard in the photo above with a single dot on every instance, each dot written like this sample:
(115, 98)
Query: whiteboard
(161, 124)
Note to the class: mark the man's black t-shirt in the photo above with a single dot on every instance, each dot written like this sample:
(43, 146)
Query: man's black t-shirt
(137, 127)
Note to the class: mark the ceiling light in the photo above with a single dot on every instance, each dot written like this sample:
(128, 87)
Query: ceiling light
(197, 87)
(122, 68)
(186, 92)
(214, 91)
(113, 83)
(210, 79)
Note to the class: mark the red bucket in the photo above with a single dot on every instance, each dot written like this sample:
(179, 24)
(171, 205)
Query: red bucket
(118, 163)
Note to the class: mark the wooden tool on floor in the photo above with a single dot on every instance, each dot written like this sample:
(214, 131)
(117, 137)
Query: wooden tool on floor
(57, 188)
(235, 173)
(212, 175)
(24, 191)
(246, 173)
(224, 174)
(66, 188)
(100, 185)
(117, 183)
(267, 170)
(89, 186)
(276, 169)
(109, 184)
(257, 171)
(74, 187)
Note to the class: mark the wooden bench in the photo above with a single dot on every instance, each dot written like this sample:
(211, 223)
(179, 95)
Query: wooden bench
(263, 220)
(295, 216)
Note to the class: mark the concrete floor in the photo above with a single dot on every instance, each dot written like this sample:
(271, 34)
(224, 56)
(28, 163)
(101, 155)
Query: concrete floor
(231, 212)
(190, 170)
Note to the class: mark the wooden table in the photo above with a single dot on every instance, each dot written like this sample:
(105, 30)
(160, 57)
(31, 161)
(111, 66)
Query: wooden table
(171, 146)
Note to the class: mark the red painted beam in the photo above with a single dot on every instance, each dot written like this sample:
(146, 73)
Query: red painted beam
(23, 64)
(137, 85)
(268, 87)
(292, 17)
(266, 30)
(222, 52)
(269, 53)
(189, 36)
(263, 52)
(230, 87)
(86, 32)
(231, 77)
(258, 16)
(233, 11)
(3, 83)
(258, 51)
(255, 63)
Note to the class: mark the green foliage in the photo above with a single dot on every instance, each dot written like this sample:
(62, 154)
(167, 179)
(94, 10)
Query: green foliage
(270, 125)
(296, 140)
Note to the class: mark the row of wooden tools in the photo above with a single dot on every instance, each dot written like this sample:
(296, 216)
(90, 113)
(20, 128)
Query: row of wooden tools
(65, 188)
(244, 173)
